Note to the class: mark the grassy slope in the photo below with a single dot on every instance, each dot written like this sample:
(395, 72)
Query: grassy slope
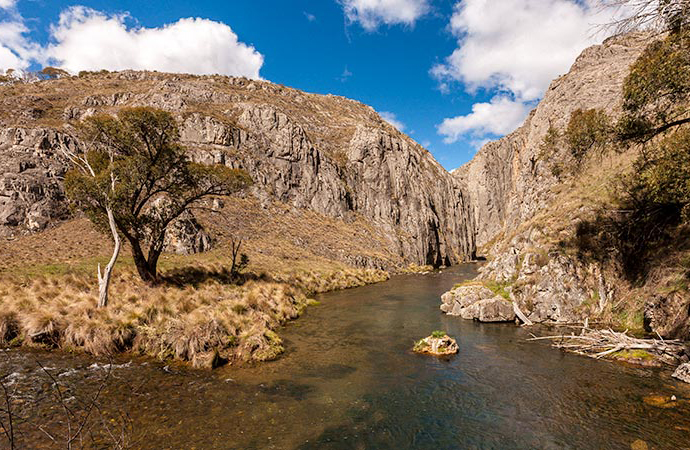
(48, 286)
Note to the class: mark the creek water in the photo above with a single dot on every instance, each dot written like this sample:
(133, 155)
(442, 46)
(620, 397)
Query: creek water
(349, 380)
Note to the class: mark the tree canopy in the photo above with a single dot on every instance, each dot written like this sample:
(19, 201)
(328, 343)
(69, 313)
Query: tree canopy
(656, 93)
(587, 130)
(155, 181)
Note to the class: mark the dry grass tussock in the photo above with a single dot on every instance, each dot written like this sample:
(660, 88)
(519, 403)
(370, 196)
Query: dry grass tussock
(198, 324)
(200, 313)
(164, 321)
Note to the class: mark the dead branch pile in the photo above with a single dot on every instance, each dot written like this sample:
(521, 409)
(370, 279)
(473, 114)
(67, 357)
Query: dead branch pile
(602, 343)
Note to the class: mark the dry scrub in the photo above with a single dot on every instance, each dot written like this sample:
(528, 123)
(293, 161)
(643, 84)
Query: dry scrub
(202, 324)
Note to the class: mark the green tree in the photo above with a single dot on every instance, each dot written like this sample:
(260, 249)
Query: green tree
(140, 172)
(660, 180)
(587, 130)
(656, 93)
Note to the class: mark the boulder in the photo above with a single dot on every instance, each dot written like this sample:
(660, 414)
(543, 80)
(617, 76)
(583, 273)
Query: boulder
(186, 236)
(496, 309)
(477, 302)
(438, 344)
(682, 373)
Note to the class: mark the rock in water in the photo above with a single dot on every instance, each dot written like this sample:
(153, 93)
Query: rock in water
(682, 373)
(477, 302)
(439, 344)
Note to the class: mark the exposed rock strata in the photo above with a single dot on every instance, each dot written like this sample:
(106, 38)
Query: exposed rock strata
(510, 183)
(328, 154)
(507, 180)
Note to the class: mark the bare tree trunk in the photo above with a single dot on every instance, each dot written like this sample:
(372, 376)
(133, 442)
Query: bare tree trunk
(235, 251)
(104, 279)
(521, 315)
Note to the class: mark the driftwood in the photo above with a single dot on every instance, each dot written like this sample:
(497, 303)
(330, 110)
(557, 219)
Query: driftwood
(521, 315)
(601, 343)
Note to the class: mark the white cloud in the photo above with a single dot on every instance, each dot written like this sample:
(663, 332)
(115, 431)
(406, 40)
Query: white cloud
(514, 48)
(85, 39)
(7, 4)
(496, 118)
(372, 13)
(517, 45)
(16, 51)
(310, 17)
(392, 119)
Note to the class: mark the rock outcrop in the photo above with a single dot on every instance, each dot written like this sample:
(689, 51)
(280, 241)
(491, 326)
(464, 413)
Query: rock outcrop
(31, 173)
(507, 181)
(682, 373)
(515, 195)
(438, 344)
(328, 154)
(477, 302)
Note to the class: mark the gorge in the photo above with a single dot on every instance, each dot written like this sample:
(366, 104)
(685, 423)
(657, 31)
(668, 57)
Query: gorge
(340, 199)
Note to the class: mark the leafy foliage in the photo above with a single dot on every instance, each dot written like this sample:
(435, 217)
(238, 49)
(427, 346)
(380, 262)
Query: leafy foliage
(656, 93)
(548, 149)
(661, 178)
(650, 203)
(155, 182)
(587, 130)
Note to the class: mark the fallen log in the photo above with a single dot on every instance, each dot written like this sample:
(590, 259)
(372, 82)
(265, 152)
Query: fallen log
(602, 343)
(521, 315)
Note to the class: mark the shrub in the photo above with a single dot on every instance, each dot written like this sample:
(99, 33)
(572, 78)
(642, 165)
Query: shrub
(656, 91)
(587, 130)
(649, 203)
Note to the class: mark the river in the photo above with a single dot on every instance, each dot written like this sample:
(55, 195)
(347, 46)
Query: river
(349, 380)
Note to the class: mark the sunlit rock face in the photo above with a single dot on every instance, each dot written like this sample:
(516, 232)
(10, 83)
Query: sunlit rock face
(328, 154)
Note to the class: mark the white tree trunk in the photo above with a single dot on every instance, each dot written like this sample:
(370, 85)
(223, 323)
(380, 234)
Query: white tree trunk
(104, 279)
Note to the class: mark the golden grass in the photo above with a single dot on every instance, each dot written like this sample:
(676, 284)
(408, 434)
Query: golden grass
(165, 321)
(48, 287)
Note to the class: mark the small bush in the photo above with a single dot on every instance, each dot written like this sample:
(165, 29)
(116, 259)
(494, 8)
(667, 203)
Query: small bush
(438, 334)
(587, 130)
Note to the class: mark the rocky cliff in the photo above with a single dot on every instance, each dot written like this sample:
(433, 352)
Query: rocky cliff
(327, 154)
(526, 216)
(507, 181)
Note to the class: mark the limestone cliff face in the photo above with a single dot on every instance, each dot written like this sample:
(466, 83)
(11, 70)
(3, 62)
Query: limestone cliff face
(519, 207)
(507, 181)
(328, 154)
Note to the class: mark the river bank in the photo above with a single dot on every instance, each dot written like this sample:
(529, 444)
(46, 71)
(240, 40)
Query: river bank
(199, 312)
(349, 379)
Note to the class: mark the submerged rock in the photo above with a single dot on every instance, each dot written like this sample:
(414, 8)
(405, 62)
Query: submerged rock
(439, 344)
(477, 302)
(682, 373)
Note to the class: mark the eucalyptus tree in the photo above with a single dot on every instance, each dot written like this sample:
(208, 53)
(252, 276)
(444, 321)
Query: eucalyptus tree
(135, 178)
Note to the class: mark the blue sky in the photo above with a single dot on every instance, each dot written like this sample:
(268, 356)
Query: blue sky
(454, 73)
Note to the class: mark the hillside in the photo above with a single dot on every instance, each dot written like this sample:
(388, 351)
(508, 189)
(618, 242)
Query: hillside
(533, 217)
(340, 199)
(325, 154)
